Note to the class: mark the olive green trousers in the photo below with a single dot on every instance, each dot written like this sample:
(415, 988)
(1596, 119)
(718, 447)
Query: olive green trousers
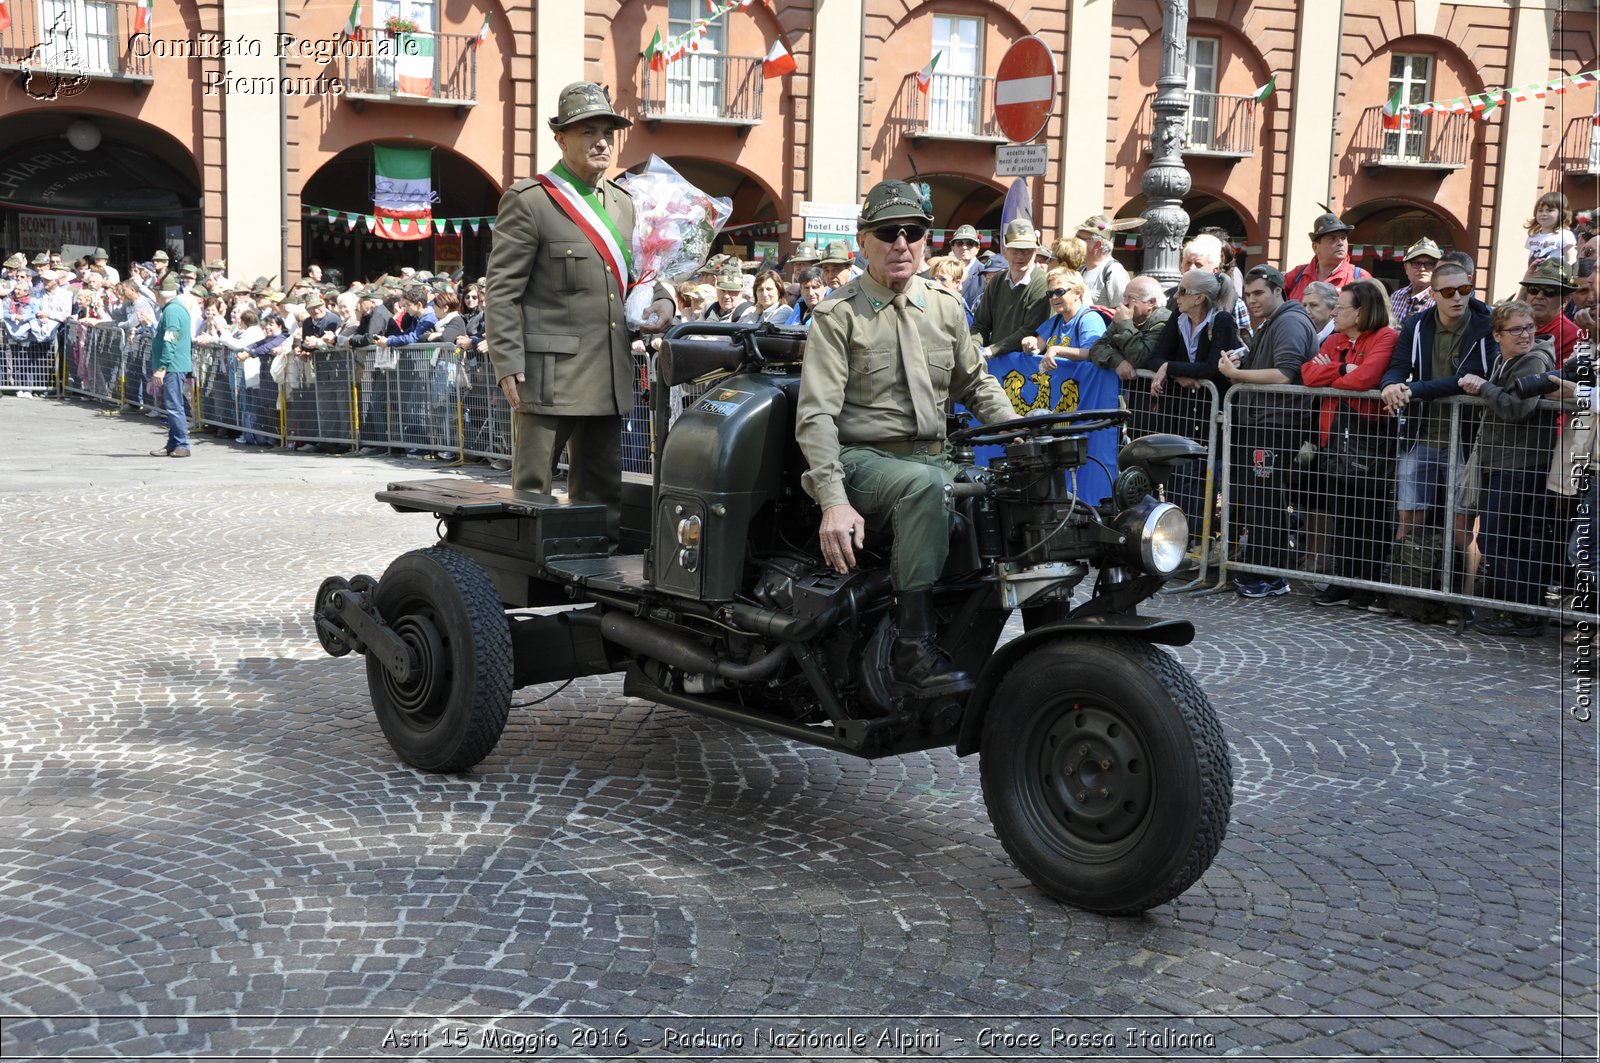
(907, 492)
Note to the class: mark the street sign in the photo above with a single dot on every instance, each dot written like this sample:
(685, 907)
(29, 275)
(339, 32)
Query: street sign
(1025, 89)
(1021, 160)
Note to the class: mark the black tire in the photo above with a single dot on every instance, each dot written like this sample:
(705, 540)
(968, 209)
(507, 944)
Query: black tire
(1074, 717)
(450, 714)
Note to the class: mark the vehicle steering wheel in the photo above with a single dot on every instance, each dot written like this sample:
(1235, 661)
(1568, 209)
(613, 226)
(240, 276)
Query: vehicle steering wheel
(1074, 423)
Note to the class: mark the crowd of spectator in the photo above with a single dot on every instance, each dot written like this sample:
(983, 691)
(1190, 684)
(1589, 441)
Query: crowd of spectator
(1351, 487)
(270, 328)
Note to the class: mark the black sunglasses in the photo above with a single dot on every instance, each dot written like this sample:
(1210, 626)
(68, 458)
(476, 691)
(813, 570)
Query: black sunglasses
(1056, 293)
(890, 233)
(1539, 289)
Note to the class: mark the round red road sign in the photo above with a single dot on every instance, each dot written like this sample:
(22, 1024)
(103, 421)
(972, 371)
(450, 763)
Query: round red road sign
(1025, 89)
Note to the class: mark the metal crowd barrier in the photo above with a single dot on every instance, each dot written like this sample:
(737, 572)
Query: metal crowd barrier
(1492, 534)
(31, 364)
(1195, 413)
(424, 399)
(1466, 524)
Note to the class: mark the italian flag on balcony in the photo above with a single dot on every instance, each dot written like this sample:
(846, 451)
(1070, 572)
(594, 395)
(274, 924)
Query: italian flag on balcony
(778, 61)
(925, 75)
(352, 25)
(413, 66)
(1394, 114)
(5, 17)
(1262, 94)
(141, 16)
(654, 57)
(402, 194)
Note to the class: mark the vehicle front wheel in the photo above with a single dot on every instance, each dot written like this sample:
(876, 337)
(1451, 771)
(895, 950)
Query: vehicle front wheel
(450, 712)
(1105, 773)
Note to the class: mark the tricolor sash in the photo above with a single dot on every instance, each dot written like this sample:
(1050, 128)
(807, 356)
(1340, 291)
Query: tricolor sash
(598, 229)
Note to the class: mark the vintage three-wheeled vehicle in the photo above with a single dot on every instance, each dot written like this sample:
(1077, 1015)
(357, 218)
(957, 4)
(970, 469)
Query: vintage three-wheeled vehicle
(1103, 766)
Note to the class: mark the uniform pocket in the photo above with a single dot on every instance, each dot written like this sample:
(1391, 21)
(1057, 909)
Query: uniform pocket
(548, 354)
(941, 362)
(572, 257)
(871, 376)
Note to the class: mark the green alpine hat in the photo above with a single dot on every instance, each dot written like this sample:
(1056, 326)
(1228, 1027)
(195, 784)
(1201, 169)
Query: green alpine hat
(1551, 274)
(585, 99)
(896, 201)
(837, 254)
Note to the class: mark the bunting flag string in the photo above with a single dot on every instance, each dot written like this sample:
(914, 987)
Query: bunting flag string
(385, 226)
(676, 48)
(1483, 104)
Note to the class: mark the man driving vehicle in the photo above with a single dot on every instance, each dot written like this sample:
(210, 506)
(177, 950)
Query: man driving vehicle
(886, 353)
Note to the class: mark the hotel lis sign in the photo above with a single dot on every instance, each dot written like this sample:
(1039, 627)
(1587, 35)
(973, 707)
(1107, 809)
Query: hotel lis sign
(1024, 97)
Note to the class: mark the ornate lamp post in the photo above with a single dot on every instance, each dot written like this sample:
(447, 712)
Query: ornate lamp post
(1166, 182)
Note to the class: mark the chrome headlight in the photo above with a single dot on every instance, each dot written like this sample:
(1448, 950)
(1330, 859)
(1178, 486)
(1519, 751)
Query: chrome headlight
(1161, 533)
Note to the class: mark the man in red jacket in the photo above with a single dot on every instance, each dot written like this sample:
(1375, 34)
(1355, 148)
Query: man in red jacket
(1331, 239)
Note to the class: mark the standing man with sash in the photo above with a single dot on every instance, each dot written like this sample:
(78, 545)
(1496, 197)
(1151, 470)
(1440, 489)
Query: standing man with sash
(558, 275)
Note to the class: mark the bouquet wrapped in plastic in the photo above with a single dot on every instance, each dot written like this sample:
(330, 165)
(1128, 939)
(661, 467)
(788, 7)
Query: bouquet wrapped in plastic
(674, 224)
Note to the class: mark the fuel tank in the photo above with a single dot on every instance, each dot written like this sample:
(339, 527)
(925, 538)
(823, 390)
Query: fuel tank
(723, 459)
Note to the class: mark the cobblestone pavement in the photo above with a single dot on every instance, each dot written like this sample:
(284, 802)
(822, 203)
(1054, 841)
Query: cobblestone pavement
(210, 851)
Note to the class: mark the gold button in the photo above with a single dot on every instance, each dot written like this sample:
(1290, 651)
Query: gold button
(613, 325)
(569, 252)
(611, 295)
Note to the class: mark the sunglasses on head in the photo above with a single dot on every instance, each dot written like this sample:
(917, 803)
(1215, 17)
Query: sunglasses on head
(1465, 289)
(890, 233)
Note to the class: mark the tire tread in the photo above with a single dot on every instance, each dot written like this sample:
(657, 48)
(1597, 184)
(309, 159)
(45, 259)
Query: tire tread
(1214, 767)
(492, 665)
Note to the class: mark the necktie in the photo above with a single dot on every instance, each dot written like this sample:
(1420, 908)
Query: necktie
(930, 424)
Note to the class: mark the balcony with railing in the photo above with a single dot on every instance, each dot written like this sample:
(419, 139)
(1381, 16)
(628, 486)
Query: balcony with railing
(955, 107)
(419, 69)
(56, 47)
(1579, 152)
(1220, 126)
(705, 88)
(1437, 141)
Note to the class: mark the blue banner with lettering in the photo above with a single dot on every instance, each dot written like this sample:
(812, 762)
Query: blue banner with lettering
(1071, 385)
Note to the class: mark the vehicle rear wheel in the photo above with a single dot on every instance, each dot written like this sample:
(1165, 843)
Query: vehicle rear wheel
(449, 714)
(1105, 773)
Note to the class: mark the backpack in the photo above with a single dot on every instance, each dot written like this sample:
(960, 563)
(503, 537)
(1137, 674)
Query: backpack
(1417, 561)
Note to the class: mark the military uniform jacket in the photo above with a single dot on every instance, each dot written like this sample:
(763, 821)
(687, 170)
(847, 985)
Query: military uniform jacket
(853, 386)
(555, 310)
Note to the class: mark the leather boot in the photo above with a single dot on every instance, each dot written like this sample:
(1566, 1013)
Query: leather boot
(922, 668)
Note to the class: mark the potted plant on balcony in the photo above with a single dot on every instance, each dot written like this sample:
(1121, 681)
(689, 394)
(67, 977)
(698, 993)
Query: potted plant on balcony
(396, 25)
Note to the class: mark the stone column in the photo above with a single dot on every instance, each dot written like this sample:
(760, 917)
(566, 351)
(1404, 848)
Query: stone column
(1166, 182)
(834, 171)
(251, 171)
(559, 31)
(1520, 180)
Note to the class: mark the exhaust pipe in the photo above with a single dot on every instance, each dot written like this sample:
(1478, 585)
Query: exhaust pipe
(683, 652)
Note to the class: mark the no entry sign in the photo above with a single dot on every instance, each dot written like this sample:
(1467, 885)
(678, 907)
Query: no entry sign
(1025, 89)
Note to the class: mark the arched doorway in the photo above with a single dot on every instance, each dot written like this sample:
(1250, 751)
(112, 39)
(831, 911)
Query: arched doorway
(753, 230)
(1385, 228)
(1205, 212)
(961, 200)
(116, 183)
(344, 184)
